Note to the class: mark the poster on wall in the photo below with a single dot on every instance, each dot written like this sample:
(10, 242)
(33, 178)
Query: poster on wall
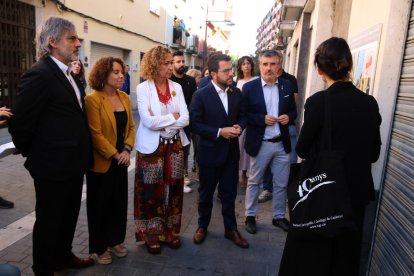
(364, 49)
(364, 66)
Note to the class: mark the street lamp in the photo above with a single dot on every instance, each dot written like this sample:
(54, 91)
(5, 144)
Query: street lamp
(205, 51)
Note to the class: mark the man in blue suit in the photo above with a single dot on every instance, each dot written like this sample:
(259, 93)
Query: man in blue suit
(217, 116)
(270, 106)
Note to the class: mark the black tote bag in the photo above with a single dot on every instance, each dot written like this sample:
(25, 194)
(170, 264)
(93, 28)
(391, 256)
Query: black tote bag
(318, 196)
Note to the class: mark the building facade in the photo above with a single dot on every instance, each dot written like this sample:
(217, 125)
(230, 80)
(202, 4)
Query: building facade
(380, 34)
(125, 29)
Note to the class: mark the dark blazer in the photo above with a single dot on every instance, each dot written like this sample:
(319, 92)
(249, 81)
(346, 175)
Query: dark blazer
(204, 82)
(255, 107)
(49, 127)
(355, 130)
(207, 115)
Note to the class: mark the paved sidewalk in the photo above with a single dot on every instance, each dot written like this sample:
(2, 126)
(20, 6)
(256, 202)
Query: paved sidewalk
(216, 256)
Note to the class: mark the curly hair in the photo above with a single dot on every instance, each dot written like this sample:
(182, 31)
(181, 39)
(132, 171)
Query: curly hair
(334, 58)
(101, 71)
(240, 74)
(152, 60)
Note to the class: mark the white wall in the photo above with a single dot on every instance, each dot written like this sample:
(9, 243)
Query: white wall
(393, 16)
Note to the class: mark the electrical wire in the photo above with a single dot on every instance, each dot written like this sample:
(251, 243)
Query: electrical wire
(63, 7)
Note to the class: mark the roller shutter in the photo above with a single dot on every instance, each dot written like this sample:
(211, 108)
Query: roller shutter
(393, 245)
(100, 50)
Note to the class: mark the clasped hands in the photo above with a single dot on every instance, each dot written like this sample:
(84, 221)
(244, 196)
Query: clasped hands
(123, 158)
(230, 132)
(271, 120)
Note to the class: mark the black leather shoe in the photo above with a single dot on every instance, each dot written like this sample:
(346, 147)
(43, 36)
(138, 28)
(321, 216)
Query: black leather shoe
(281, 223)
(5, 204)
(250, 225)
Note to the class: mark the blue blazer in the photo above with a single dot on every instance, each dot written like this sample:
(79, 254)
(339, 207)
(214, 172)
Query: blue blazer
(255, 107)
(207, 115)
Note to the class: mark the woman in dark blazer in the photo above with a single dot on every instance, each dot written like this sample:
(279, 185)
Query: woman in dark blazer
(355, 131)
(112, 129)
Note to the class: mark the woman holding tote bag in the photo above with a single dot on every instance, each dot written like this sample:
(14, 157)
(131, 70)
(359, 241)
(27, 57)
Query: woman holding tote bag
(355, 132)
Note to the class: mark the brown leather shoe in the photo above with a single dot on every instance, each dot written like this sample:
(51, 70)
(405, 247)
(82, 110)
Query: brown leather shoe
(76, 262)
(236, 238)
(199, 235)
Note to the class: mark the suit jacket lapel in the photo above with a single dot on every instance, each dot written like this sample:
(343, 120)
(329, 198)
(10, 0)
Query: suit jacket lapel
(231, 101)
(108, 110)
(154, 101)
(218, 101)
(260, 96)
(175, 100)
(61, 76)
(282, 95)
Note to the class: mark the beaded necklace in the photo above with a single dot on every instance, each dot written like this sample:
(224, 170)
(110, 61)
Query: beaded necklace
(164, 98)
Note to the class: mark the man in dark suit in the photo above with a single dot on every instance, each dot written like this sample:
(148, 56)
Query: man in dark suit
(270, 106)
(217, 115)
(49, 127)
(189, 86)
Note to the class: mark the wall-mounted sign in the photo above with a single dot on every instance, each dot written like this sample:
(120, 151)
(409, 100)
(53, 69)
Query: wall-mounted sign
(85, 26)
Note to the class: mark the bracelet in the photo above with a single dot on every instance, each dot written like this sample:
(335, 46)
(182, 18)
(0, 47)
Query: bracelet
(127, 150)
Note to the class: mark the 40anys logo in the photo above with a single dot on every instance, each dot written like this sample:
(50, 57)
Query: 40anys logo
(310, 185)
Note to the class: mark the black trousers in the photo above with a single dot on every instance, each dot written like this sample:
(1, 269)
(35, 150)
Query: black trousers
(227, 178)
(107, 203)
(57, 209)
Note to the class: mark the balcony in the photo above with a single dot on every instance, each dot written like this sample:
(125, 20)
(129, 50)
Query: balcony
(286, 28)
(292, 9)
(179, 38)
(192, 49)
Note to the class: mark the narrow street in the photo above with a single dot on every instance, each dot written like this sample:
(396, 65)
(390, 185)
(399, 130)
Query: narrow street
(216, 256)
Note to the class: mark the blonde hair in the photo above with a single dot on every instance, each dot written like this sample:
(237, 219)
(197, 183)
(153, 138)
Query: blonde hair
(152, 60)
(194, 73)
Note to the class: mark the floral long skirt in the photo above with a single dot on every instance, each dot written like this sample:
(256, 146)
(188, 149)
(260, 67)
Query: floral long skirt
(158, 193)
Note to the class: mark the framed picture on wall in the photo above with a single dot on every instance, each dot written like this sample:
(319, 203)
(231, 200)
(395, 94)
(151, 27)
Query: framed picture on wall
(364, 49)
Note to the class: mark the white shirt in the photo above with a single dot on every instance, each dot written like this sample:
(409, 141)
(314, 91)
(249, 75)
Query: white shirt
(240, 83)
(223, 97)
(64, 69)
(271, 96)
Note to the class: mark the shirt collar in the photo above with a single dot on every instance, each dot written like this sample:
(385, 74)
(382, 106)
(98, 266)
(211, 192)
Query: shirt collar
(265, 84)
(218, 89)
(61, 65)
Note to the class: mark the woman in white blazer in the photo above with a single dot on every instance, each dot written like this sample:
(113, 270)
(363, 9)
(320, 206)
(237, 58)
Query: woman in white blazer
(159, 175)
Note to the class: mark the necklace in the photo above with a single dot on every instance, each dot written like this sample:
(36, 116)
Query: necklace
(166, 97)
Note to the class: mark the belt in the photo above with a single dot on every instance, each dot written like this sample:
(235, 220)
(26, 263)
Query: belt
(274, 139)
(169, 140)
